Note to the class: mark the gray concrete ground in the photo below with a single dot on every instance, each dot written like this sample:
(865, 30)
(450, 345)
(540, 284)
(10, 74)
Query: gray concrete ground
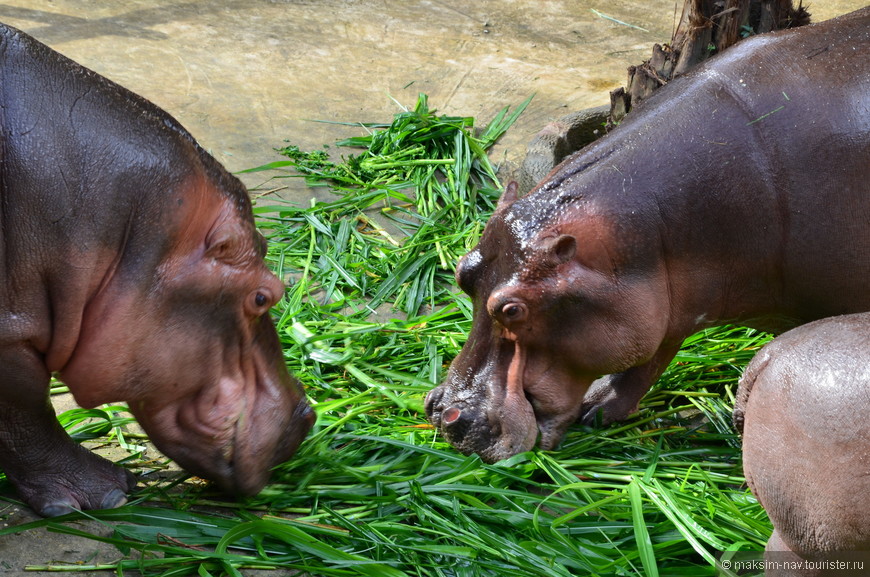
(244, 75)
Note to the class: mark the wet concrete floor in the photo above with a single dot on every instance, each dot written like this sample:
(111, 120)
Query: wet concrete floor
(245, 75)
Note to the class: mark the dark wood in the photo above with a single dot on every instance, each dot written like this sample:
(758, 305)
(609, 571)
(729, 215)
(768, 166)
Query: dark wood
(706, 27)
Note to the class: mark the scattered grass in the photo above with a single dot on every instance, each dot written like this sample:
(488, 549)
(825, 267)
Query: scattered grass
(370, 321)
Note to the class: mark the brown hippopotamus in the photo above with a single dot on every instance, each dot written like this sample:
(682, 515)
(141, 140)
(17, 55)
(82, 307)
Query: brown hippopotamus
(131, 268)
(739, 193)
(802, 406)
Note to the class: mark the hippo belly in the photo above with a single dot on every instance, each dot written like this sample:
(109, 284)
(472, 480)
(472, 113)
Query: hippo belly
(802, 406)
(130, 266)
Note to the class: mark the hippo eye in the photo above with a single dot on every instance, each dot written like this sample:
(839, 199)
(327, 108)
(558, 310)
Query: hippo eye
(260, 299)
(513, 312)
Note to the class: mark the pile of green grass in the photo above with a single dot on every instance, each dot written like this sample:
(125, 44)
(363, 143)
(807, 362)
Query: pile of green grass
(374, 490)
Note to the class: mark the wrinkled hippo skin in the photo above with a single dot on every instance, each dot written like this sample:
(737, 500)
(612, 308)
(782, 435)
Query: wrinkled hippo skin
(131, 268)
(739, 193)
(802, 405)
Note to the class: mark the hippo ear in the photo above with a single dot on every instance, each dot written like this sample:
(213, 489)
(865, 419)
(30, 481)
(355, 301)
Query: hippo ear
(559, 249)
(509, 196)
(225, 243)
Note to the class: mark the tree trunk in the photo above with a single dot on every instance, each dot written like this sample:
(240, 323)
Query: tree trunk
(706, 27)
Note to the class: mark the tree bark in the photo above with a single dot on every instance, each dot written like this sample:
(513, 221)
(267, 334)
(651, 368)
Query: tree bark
(706, 27)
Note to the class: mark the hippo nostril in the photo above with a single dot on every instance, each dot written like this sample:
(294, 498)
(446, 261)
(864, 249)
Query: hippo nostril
(305, 414)
(433, 398)
(451, 415)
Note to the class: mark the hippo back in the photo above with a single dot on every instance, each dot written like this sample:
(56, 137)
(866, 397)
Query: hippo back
(771, 185)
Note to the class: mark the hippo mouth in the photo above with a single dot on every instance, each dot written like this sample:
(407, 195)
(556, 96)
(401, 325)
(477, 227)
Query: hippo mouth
(238, 458)
(502, 425)
(246, 474)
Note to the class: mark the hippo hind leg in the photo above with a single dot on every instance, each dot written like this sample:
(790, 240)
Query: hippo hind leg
(51, 472)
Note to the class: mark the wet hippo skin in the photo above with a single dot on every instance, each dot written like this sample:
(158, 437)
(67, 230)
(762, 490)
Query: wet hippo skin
(131, 268)
(738, 193)
(802, 408)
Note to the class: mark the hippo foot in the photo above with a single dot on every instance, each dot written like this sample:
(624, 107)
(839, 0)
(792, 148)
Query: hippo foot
(604, 404)
(82, 480)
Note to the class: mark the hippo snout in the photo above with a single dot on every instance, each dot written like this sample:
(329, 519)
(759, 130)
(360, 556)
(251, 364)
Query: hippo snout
(301, 421)
(250, 466)
(247, 474)
(458, 424)
(452, 420)
(431, 404)
(470, 428)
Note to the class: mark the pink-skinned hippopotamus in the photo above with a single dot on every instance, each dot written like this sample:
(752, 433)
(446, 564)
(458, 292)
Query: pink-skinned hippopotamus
(738, 193)
(129, 267)
(802, 406)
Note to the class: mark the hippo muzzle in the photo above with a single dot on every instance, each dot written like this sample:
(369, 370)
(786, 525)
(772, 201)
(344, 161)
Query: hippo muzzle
(242, 466)
(494, 433)
(234, 428)
(486, 412)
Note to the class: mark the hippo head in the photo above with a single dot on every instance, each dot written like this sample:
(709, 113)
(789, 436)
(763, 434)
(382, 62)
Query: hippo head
(557, 303)
(180, 329)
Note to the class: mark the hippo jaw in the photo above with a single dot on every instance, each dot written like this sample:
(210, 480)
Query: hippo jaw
(495, 424)
(230, 433)
(492, 412)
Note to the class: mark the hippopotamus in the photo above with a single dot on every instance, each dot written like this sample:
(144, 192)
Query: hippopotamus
(802, 407)
(131, 269)
(738, 193)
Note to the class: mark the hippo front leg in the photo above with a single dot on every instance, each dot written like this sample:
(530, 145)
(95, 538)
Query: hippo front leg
(614, 398)
(51, 472)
